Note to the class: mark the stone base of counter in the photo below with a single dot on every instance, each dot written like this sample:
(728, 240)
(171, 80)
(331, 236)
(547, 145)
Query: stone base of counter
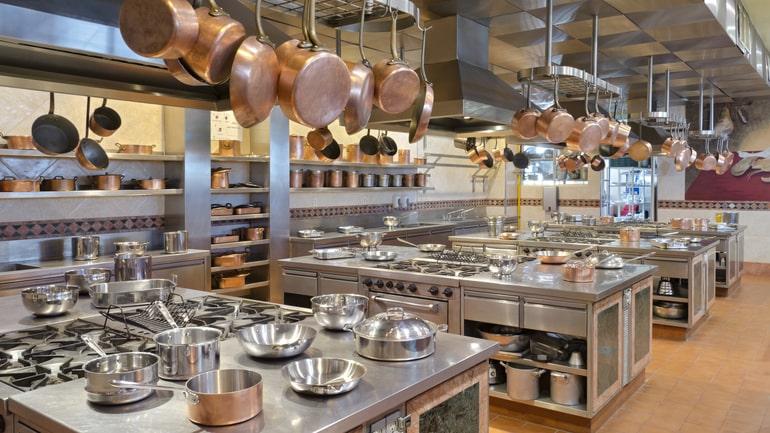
(564, 421)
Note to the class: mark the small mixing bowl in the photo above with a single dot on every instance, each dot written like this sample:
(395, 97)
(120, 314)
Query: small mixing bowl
(339, 311)
(323, 376)
(51, 300)
(280, 340)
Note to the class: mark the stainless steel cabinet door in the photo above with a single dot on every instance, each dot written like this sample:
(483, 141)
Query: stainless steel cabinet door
(337, 283)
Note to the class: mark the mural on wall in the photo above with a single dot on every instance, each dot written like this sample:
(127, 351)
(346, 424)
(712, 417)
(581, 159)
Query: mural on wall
(746, 129)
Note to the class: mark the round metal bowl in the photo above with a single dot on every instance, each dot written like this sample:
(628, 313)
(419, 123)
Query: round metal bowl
(339, 311)
(323, 376)
(380, 256)
(276, 340)
(554, 257)
(509, 339)
(669, 310)
(50, 300)
(508, 236)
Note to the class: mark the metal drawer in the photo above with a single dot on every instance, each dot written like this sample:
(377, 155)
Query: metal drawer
(497, 309)
(300, 282)
(335, 283)
(555, 316)
(669, 268)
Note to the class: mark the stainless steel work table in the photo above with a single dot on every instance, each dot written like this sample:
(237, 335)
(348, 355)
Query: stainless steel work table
(336, 236)
(63, 407)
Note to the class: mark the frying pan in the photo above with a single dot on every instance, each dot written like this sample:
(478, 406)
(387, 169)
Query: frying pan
(254, 77)
(90, 154)
(423, 105)
(54, 134)
(314, 84)
(369, 144)
(104, 121)
(359, 107)
(213, 52)
(330, 152)
(597, 163)
(425, 248)
(319, 138)
(520, 160)
(388, 145)
(179, 70)
(159, 28)
(558, 257)
(395, 84)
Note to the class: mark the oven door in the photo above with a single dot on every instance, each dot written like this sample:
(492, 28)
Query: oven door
(428, 309)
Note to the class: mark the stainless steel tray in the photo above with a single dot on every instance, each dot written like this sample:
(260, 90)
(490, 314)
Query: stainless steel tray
(333, 253)
(350, 229)
(121, 293)
(669, 244)
(310, 233)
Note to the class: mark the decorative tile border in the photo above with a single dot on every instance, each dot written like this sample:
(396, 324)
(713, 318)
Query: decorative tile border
(50, 229)
(715, 205)
(579, 202)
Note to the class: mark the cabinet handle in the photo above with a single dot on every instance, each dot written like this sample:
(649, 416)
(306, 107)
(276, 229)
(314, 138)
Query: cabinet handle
(428, 307)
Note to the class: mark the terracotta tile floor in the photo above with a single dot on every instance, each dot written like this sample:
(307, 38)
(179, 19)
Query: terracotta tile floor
(718, 381)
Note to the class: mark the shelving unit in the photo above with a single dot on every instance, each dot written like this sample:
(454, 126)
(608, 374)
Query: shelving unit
(239, 244)
(680, 323)
(669, 298)
(13, 153)
(302, 162)
(247, 265)
(517, 359)
(241, 190)
(627, 190)
(500, 391)
(361, 189)
(237, 218)
(89, 193)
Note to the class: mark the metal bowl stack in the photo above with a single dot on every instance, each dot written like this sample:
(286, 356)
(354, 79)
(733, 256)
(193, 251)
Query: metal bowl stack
(339, 311)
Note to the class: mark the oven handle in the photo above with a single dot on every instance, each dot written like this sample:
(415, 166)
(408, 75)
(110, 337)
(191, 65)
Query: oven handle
(429, 307)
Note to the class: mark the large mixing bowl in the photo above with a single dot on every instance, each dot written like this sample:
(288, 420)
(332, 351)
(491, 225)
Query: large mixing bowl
(280, 340)
(51, 300)
(323, 376)
(370, 240)
(339, 311)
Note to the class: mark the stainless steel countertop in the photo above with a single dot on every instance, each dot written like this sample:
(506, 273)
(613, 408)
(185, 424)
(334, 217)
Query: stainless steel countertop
(63, 408)
(661, 229)
(334, 235)
(642, 247)
(44, 268)
(529, 278)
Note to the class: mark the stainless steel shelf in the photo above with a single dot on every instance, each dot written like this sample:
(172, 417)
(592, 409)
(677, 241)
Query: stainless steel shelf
(243, 290)
(247, 265)
(670, 322)
(670, 298)
(301, 162)
(239, 190)
(113, 156)
(244, 158)
(500, 391)
(572, 81)
(516, 359)
(89, 193)
(257, 216)
(240, 244)
(362, 189)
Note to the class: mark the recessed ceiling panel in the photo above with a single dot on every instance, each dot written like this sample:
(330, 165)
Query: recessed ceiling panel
(607, 26)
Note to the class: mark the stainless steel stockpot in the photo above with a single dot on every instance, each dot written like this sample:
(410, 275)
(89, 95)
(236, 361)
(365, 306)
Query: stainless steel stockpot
(187, 352)
(175, 242)
(84, 277)
(85, 247)
(395, 336)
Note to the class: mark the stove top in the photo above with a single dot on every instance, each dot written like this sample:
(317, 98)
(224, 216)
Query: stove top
(36, 357)
(434, 267)
(573, 240)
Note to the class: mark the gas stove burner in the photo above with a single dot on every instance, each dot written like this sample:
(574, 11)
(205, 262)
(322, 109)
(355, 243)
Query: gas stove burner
(19, 339)
(27, 379)
(79, 327)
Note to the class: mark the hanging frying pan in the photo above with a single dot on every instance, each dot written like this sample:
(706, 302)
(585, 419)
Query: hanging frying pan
(90, 154)
(524, 122)
(219, 37)
(254, 77)
(54, 134)
(388, 145)
(423, 105)
(159, 28)
(314, 84)
(104, 121)
(182, 72)
(369, 144)
(395, 84)
(359, 107)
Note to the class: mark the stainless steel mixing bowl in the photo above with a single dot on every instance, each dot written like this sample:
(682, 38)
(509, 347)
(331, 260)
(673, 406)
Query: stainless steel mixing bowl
(323, 376)
(280, 340)
(50, 300)
(339, 311)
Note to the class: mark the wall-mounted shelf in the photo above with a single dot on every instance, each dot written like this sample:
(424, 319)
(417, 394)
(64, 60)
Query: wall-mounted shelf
(89, 193)
(239, 190)
(257, 216)
(361, 189)
(500, 391)
(244, 158)
(240, 244)
(302, 162)
(113, 156)
(247, 265)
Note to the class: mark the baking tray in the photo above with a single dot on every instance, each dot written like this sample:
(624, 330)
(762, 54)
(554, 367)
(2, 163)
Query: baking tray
(333, 253)
(350, 229)
(121, 293)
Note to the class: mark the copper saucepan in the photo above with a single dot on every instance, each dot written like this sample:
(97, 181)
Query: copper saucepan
(213, 52)
(555, 124)
(150, 183)
(59, 183)
(319, 138)
(108, 182)
(423, 105)
(706, 161)
(18, 142)
(159, 28)
(11, 184)
(640, 150)
(359, 106)
(524, 122)
(140, 149)
(395, 84)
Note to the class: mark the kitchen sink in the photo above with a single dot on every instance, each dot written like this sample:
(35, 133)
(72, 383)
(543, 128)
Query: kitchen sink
(9, 267)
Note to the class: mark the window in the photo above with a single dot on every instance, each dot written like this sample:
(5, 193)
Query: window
(544, 170)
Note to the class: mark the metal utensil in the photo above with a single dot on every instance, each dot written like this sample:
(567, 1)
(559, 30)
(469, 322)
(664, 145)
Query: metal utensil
(124, 293)
(379, 256)
(323, 376)
(132, 267)
(50, 300)
(338, 311)
(370, 240)
(276, 340)
(426, 248)
(85, 277)
(85, 247)
(614, 261)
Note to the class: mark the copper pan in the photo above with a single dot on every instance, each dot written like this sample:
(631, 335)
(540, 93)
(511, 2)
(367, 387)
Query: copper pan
(359, 107)
(159, 28)
(423, 105)
(140, 149)
(18, 142)
(296, 144)
(524, 122)
(586, 132)
(706, 161)
(219, 37)
(59, 183)
(319, 138)
(621, 151)
(555, 124)
(314, 84)
(395, 84)
(723, 163)
(182, 72)
(254, 77)
(682, 159)
(640, 150)
(11, 184)
(602, 120)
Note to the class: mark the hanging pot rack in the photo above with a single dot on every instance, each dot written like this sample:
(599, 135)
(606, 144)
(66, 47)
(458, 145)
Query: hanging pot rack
(700, 133)
(346, 14)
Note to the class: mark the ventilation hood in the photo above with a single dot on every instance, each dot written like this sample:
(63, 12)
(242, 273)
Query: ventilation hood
(468, 97)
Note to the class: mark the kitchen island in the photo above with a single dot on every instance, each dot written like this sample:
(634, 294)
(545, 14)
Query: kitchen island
(611, 315)
(390, 390)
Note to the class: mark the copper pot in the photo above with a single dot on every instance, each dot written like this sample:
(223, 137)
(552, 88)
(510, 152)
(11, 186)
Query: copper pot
(334, 178)
(235, 259)
(706, 162)
(555, 124)
(11, 184)
(253, 233)
(682, 159)
(420, 161)
(162, 29)
(420, 180)
(316, 179)
(295, 178)
(232, 281)
(585, 136)
(640, 150)
(578, 271)
(296, 146)
(319, 138)
(403, 156)
(308, 153)
(351, 153)
(139, 149)
(384, 159)
(19, 142)
(396, 85)
(352, 179)
(676, 223)
(59, 183)
(329, 153)
(629, 234)
(370, 159)
(408, 180)
(108, 182)
(220, 178)
(219, 37)
(151, 183)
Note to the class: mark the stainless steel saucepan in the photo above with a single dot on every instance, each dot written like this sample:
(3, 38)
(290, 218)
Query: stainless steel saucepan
(425, 248)
(186, 352)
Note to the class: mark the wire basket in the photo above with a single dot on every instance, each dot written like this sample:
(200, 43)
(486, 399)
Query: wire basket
(151, 319)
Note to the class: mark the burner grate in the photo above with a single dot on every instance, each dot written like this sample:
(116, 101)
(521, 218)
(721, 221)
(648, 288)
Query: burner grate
(150, 318)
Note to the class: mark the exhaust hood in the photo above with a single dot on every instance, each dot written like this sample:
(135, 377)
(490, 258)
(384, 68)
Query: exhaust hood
(468, 97)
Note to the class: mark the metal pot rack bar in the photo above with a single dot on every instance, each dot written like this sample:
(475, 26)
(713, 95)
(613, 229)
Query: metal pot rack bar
(347, 13)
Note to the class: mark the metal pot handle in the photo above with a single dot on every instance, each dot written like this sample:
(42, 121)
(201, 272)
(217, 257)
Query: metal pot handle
(188, 395)
(166, 314)
(93, 345)
(559, 376)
